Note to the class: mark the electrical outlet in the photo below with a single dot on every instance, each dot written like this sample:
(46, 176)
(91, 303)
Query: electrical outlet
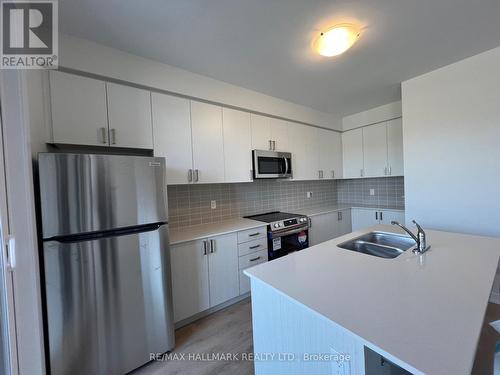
(372, 191)
(213, 205)
(309, 194)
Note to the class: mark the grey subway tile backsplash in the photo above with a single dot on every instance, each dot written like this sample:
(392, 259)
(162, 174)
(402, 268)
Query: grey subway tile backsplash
(191, 204)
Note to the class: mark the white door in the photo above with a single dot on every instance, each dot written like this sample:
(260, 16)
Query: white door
(129, 113)
(329, 148)
(279, 134)
(375, 150)
(363, 218)
(237, 145)
(208, 144)
(352, 153)
(302, 145)
(388, 216)
(172, 136)
(261, 132)
(395, 147)
(79, 114)
(190, 288)
(223, 268)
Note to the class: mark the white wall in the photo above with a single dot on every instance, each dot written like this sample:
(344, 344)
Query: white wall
(83, 55)
(372, 116)
(451, 127)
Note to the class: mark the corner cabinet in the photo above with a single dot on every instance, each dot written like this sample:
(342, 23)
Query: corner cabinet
(204, 274)
(87, 111)
(367, 217)
(330, 225)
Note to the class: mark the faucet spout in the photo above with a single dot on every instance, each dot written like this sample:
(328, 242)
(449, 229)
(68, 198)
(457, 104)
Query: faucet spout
(420, 238)
(415, 238)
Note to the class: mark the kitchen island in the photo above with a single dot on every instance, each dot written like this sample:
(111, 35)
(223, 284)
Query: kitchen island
(315, 311)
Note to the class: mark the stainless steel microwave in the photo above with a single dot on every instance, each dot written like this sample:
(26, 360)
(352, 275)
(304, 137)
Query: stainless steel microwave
(271, 164)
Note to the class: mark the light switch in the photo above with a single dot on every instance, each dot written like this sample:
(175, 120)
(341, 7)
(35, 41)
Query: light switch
(372, 191)
(213, 205)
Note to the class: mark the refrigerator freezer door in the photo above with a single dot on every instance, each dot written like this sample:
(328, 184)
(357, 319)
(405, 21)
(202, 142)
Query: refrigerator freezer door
(108, 302)
(82, 193)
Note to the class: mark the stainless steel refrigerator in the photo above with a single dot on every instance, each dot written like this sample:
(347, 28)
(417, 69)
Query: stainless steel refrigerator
(106, 261)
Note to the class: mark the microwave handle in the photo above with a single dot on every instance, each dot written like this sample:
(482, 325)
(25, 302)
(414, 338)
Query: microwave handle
(286, 164)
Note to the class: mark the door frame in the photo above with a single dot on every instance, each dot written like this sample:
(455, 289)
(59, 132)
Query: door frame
(18, 210)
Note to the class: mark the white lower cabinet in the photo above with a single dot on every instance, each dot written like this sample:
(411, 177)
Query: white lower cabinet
(366, 217)
(204, 274)
(327, 226)
(252, 250)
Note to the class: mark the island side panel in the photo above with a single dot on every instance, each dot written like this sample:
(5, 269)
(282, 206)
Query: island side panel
(283, 327)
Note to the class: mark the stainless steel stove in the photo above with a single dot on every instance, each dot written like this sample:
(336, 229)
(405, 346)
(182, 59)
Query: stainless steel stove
(286, 232)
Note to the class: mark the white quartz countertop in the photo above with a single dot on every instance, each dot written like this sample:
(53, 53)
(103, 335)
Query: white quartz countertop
(426, 310)
(214, 229)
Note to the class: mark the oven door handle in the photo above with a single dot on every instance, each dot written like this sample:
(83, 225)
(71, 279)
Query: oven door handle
(291, 231)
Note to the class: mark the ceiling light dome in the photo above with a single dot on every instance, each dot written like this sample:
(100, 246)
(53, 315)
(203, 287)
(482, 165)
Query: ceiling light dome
(336, 40)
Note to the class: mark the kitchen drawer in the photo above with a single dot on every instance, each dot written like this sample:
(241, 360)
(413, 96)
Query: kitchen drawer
(252, 246)
(253, 259)
(252, 234)
(244, 283)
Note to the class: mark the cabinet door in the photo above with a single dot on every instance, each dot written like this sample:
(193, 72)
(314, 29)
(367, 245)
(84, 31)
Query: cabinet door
(172, 135)
(190, 288)
(362, 218)
(223, 269)
(237, 145)
(352, 153)
(129, 111)
(279, 134)
(375, 150)
(208, 145)
(395, 147)
(302, 145)
(261, 132)
(388, 216)
(343, 225)
(322, 228)
(329, 148)
(79, 114)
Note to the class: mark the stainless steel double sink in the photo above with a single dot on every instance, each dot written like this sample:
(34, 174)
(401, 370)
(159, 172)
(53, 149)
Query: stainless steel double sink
(380, 244)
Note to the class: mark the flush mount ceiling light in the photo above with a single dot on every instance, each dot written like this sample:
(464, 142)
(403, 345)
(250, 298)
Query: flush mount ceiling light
(336, 40)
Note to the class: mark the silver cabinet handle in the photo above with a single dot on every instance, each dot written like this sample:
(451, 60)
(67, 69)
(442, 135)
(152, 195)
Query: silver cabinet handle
(212, 246)
(390, 170)
(385, 171)
(274, 145)
(254, 247)
(113, 136)
(376, 215)
(104, 135)
(333, 174)
(196, 175)
(361, 172)
(381, 216)
(190, 175)
(205, 247)
(254, 259)
(319, 174)
(270, 145)
(339, 215)
(253, 234)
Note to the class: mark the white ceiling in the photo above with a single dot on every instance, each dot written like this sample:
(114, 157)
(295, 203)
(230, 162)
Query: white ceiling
(264, 45)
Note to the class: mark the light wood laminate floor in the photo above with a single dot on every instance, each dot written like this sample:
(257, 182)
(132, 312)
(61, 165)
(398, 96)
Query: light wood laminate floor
(226, 331)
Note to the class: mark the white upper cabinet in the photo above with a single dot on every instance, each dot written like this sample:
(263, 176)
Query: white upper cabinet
(172, 136)
(375, 150)
(329, 149)
(279, 134)
(261, 132)
(302, 145)
(237, 145)
(395, 147)
(208, 144)
(129, 114)
(352, 153)
(79, 113)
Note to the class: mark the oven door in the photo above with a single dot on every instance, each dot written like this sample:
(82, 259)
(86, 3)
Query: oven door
(271, 164)
(283, 243)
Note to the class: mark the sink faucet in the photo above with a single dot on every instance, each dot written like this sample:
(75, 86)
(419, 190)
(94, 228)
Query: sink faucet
(419, 239)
